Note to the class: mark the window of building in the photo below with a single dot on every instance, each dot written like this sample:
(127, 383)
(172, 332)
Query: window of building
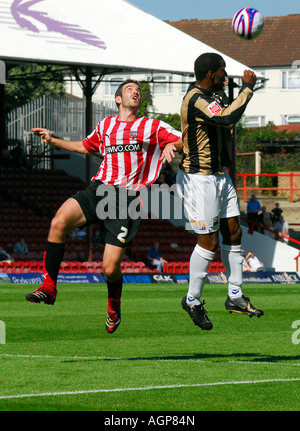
(291, 119)
(111, 85)
(161, 84)
(291, 79)
(254, 121)
(185, 82)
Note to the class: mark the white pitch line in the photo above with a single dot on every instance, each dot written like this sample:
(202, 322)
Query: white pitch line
(263, 363)
(146, 388)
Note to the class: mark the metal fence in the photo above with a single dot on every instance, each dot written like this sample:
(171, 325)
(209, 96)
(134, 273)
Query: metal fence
(289, 187)
(63, 116)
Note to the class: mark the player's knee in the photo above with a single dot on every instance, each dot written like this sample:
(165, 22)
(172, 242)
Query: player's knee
(209, 242)
(236, 235)
(111, 270)
(214, 243)
(231, 231)
(58, 225)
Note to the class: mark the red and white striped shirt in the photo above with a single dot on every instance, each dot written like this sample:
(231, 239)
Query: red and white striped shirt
(131, 150)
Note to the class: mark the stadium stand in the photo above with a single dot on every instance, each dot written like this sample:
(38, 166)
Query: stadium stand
(30, 197)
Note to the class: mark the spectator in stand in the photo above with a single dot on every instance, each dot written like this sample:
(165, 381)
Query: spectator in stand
(253, 208)
(277, 211)
(266, 220)
(4, 256)
(21, 247)
(282, 227)
(155, 257)
(97, 240)
(246, 266)
(254, 263)
(78, 234)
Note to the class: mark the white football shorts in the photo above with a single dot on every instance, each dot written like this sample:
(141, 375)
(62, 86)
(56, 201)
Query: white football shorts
(207, 199)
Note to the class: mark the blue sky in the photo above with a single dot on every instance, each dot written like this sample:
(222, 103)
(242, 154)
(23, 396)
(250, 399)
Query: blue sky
(174, 10)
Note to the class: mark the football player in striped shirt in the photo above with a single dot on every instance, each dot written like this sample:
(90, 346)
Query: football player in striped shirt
(133, 150)
(210, 198)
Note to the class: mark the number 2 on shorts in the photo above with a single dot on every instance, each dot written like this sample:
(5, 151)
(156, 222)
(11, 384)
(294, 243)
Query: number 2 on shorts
(122, 235)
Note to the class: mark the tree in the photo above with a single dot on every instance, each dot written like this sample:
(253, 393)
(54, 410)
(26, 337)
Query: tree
(172, 119)
(26, 82)
(147, 100)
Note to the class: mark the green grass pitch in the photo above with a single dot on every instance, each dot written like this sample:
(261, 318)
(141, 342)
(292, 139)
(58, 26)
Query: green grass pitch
(60, 358)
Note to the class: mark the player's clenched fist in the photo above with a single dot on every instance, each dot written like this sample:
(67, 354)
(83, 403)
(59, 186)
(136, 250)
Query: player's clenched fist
(249, 77)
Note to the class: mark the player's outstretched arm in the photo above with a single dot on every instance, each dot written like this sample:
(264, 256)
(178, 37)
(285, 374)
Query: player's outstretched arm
(73, 146)
(170, 150)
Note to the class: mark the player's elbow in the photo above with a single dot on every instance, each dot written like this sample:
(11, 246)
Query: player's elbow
(80, 148)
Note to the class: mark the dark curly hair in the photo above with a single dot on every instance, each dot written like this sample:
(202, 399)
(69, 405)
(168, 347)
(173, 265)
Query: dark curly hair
(206, 62)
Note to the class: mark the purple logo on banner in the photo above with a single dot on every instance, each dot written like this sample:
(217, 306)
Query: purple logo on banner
(25, 17)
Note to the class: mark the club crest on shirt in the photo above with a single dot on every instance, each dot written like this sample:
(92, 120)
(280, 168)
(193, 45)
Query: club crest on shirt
(133, 135)
(214, 108)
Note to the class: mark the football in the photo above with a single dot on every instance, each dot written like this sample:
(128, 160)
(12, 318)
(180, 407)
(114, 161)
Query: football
(248, 23)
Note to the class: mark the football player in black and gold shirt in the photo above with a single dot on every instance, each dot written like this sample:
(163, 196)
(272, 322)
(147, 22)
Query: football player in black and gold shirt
(208, 193)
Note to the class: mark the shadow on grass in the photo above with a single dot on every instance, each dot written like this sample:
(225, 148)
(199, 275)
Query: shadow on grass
(250, 357)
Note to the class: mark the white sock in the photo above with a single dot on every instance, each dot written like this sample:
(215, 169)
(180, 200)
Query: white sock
(199, 264)
(233, 263)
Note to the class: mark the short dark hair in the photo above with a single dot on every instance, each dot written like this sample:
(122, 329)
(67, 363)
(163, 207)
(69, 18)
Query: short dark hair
(206, 62)
(119, 89)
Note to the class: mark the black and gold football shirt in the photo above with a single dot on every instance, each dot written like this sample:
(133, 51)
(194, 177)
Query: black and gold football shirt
(207, 129)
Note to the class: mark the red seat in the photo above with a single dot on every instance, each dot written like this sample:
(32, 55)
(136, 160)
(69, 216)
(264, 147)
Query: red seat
(3, 266)
(90, 269)
(177, 267)
(125, 265)
(75, 266)
(141, 264)
(34, 266)
(65, 267)
(98, 267)
(169, 267)
(9, 268)
(213, 267)
(136, 268)
(221, 267)
(128, 270)
(144, 270)
(185, 267)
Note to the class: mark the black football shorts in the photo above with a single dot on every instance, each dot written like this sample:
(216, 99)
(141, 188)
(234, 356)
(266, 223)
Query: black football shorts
(108, 206)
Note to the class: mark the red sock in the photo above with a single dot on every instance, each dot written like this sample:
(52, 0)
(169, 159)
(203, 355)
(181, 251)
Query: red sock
(113, 306)
(53, 257)
(114, 295)
(50, 285)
